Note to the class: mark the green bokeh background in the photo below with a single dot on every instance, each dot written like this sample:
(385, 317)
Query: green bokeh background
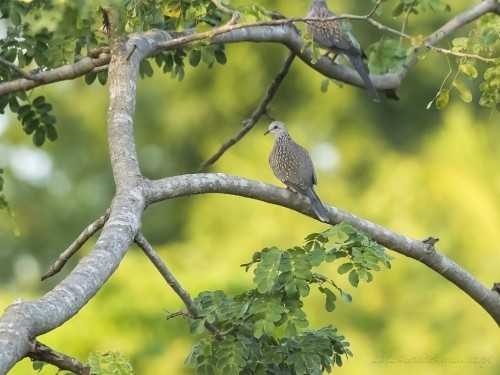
(416, 171)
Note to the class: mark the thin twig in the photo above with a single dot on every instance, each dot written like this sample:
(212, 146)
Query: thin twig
(14, 67)
(141, 241)
(176, 314)
(235, 16)
(496, 288)
(369, 15)
(41, 352)
(76, 245)
(427, 44)
(262, 109)
(134, 47)
(102, 57)
(222, 8)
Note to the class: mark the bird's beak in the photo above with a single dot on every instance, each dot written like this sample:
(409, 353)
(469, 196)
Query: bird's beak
(267, 132)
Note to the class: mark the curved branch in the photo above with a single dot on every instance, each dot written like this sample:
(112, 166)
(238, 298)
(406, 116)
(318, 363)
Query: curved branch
(72, 71)
(275, 31)
(25, 320)
(42, 352)
(204, 183)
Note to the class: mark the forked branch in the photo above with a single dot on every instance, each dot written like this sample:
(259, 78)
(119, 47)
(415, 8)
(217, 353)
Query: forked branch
(42, 352)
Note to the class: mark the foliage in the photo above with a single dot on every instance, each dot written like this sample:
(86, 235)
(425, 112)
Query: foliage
(479, 43)
(110, 363)
(47, 45)
(264, 330)
(417, 6)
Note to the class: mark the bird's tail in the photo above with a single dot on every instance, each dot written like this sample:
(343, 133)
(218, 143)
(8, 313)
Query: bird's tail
(359, 65)
(317, 205)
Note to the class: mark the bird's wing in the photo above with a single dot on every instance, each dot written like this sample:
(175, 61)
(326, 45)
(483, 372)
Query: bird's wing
(297, 187)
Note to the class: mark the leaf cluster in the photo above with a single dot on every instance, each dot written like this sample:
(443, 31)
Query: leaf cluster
(35, 116)
(481, 41)
(170, 15)
(110, 363)
(59, 42)
(415, 7)
(264, 330)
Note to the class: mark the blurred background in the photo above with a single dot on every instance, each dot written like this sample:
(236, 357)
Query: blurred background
(420, 172)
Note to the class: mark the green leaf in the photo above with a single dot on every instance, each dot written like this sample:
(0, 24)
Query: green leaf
(468, 69)
(460, 44)
(330, 299)
(39, 101)
(38, 365)
(353, 278)
(363, 274)
(317, 255)
(316, 54)
(442, 98)
(24, 110)
(197, 326)
(13, 104)
(267, 271)
(47, 118)
(51, 132)
(220, 56)
(194, 57)
(344, 268)
(464, 91)
(39, 137)
(90, 78)
(207, 54)
(30, 126)
(398, 10)
(145, 69)
(15, 17)
(102, 77)
(324, 85)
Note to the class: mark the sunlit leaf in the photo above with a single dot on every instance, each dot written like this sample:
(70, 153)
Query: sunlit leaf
(465, 93)
(442, 98)
(468, 69)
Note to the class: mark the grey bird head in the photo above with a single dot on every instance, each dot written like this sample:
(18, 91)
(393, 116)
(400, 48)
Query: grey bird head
(277, 128)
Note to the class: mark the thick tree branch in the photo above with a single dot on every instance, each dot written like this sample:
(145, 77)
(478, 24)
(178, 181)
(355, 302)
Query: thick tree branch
(268, 31)
(262, 109)
(41, 352)
(24, 320)
(76, 245)
(168, 188)
(71, 71)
